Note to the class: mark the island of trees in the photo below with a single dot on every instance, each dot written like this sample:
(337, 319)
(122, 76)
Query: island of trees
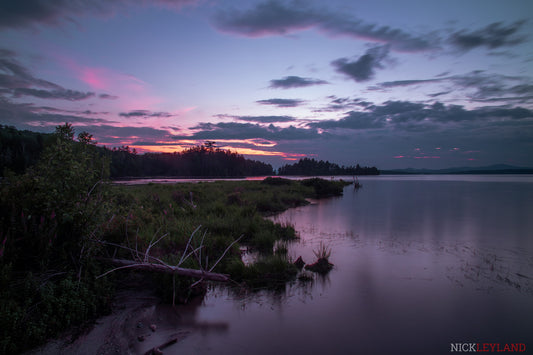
(312, 167)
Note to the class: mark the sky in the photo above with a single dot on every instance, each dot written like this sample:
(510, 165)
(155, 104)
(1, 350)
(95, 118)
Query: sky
(385, 83)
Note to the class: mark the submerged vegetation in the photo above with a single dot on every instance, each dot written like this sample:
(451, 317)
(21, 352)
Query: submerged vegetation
(61, 220)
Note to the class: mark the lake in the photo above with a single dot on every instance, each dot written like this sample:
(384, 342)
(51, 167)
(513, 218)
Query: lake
(421, 263)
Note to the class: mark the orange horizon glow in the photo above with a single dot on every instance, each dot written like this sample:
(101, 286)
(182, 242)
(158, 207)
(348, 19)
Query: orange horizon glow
(243, 151)
(161, 147)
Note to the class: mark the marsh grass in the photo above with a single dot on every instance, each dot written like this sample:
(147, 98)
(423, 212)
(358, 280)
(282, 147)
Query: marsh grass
(225, 210)
(323, 251)
(322, 265)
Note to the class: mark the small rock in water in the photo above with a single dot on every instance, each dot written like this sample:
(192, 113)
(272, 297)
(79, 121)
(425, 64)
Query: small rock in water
(153, 327)
(139, 325)
(141, 338)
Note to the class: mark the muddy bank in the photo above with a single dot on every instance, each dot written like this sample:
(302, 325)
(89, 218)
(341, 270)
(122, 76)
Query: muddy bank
(139, 322)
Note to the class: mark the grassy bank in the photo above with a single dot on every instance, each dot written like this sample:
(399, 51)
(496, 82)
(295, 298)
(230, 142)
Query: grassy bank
(223, 211)
(53, 246)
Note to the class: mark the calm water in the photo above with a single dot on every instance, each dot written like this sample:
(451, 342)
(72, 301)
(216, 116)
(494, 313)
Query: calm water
(420, 262)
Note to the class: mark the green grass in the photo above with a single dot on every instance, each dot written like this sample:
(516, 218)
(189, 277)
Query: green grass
(225, 210)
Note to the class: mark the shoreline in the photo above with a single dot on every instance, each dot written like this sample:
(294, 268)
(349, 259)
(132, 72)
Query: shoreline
(139, 322)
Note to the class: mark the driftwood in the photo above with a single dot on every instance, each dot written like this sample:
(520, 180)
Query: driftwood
(144, 261)
(169, 269)
(157, 350)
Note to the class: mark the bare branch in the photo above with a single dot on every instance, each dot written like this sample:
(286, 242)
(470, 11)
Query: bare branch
(128, 264)
(151, 245)
(188, 243)
(225, 251)
(91, 190)
(192, 252)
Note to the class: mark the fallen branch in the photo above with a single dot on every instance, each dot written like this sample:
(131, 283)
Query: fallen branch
(158, 349)
(169, 269)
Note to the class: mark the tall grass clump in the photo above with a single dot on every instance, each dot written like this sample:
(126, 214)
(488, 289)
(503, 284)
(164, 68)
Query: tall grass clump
(322, 264)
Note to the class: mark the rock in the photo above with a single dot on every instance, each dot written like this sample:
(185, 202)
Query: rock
(141, 338)
(156, 351)
(153, 327)
(299, 263)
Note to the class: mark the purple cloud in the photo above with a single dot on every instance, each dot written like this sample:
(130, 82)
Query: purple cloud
(281, 102)
(493, 36)
(21, 14)
(277, 18)
(290, 82)
(364, 68)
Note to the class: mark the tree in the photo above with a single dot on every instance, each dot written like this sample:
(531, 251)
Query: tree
(51, 209)
(48, 218)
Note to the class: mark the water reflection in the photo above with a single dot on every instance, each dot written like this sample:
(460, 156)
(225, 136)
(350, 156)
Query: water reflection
(418, 265)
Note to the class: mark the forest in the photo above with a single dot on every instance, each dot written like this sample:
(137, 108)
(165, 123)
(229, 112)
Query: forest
(21, 149)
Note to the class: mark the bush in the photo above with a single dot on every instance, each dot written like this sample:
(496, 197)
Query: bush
(325, 188)
(276, 181)
(48, 217)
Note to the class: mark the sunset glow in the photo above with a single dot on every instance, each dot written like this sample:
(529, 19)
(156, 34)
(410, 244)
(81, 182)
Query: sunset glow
(342, 81)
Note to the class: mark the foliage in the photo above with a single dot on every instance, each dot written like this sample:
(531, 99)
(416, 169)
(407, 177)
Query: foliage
(312, 167)
(276, 181)
(60, 217)
(36, 308)
(20, 149)
(324, 188)
(323, 251)
(271, 271)
(48, 217)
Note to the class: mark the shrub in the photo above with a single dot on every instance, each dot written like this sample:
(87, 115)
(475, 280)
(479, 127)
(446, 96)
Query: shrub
(276, 181)
(48, 217)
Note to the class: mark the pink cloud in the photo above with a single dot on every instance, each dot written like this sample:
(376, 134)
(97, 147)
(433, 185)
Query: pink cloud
(131, 92)
(94, 77)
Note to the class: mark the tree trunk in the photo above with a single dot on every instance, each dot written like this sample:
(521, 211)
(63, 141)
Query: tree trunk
(169, 270)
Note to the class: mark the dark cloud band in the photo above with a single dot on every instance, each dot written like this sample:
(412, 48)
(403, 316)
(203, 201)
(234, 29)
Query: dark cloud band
(290, 82)
(281, 102)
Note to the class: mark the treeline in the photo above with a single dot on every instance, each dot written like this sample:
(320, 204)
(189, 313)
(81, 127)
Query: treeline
(21, 149)
(206, 160)
(312, 167)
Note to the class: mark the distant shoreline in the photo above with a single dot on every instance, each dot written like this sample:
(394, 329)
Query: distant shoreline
(481, 170)
(466, 172)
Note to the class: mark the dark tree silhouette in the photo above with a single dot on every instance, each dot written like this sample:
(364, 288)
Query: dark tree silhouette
(312, 167)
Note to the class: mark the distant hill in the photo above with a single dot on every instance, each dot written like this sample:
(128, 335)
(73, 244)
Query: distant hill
(490, 169)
